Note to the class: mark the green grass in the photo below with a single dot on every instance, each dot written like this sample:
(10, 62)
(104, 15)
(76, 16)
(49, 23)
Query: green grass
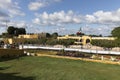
(45, 68)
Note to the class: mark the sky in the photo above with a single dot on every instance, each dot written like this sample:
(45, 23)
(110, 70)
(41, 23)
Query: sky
(62, 16)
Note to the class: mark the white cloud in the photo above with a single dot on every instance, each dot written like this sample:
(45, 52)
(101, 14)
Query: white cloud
(3, 14)
(101, 17)
(36, 5)
(8, 10)
(105, 30)
(10, 7)
(16, 12)
(57, 18)
(20, 24)
(90, 18)
(106, 21)
(4, 17)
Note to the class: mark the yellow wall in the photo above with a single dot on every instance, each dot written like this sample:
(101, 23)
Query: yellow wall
(84, 38)
(10, 41)
(28, 36)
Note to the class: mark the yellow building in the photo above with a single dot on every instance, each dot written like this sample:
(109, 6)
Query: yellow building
(85, 39)
(22, 38)
(14, 40)
(29, 36)
(32, 36)
(80, 40)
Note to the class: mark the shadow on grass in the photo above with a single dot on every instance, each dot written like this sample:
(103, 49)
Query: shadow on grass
(12, 76)
(7, 59)
(10, 58)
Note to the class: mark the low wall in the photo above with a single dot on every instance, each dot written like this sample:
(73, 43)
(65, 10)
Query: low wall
(11, 52)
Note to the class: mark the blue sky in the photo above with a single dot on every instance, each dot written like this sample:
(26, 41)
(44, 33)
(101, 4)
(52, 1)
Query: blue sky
(62, 16)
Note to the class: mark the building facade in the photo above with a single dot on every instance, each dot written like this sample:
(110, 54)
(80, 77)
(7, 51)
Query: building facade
(84, 39)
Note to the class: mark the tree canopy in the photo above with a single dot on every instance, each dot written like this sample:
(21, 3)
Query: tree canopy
(11, 30)
(15, 31)
(104, 43)
(20, 31)
(55, 35)
(48, 35)
(116, 32)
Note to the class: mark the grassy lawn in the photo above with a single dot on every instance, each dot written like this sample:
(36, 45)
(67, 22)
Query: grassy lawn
(45, 68)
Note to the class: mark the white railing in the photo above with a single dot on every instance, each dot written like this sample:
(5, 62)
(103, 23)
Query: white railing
(71, 49)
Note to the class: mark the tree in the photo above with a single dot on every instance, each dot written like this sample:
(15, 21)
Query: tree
(19, 31)
(116, 32)
(11, 30)
(52, 41)
(104, 43)
(48, 35)
(100, 35)
(72, 34)
(15, 31)
(55, 35)
(117, 41)
(66, 42)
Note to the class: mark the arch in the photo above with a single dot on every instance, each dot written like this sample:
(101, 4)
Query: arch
(87, 40)
(80, 40)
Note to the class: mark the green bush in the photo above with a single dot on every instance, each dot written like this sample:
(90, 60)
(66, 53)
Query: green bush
(104, 43)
